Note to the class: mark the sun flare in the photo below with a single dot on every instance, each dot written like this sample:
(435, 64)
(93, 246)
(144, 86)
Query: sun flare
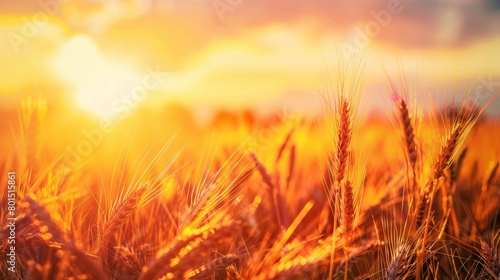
(95, 80)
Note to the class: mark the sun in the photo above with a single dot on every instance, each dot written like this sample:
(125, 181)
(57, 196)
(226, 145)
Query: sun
(95, 80)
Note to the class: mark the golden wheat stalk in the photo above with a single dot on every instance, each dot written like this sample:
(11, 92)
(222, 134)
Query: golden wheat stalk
(346, 190)
(408, 132)
(402, 264)
(57, 235)
(447, 151)
(177, 259)
(491, 259)
(409, 138)
(347, 210)
(161, 265)
(402, 89)
(344, 138)
(443, 161)
(120, 215)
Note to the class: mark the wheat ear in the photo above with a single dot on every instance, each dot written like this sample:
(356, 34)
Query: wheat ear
(408, 133)
(119, 216)
(84, 261)
(162, 263)
(491, 259)
(344, 138)
(443, 161)
(347, 210)
(402, 264)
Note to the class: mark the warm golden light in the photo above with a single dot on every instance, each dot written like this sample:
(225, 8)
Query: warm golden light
(249, 139)
(95, 80)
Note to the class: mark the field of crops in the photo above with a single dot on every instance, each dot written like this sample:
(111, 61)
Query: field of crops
(409, 194)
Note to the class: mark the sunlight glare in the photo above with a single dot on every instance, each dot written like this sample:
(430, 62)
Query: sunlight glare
(96, 81)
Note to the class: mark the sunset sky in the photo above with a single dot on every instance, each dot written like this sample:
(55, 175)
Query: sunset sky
(232, 54)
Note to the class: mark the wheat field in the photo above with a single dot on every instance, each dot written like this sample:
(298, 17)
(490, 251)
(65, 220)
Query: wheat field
(413, 194)
(242, 140)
